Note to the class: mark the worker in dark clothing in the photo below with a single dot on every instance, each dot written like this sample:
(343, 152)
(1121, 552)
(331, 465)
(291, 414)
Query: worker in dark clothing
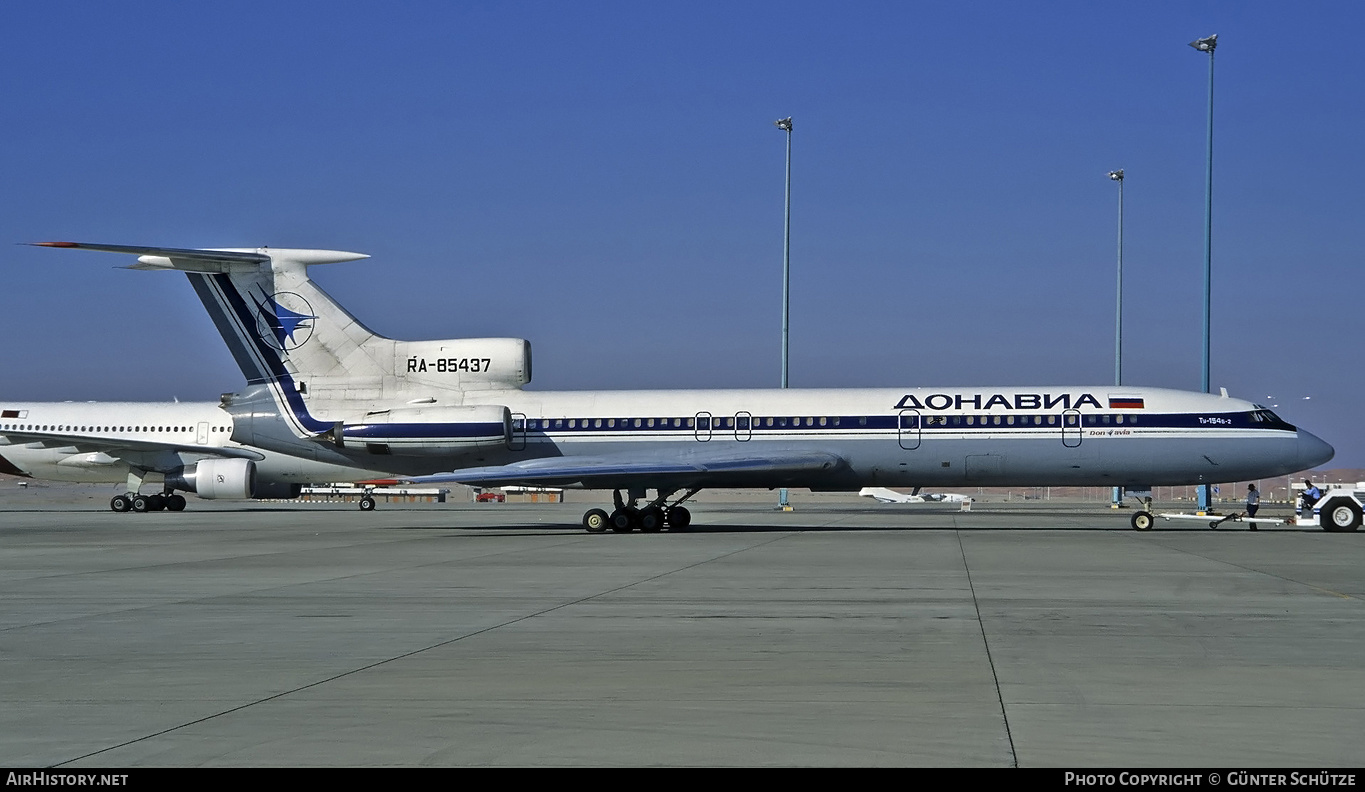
(1311, 495)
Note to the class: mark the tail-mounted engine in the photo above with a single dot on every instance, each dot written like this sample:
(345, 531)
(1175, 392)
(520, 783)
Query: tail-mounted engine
(426, 431)
(463, 364)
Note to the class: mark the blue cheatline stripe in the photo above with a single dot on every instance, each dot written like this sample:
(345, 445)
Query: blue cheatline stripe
(267, 354)
(251, 368)
(927, 423)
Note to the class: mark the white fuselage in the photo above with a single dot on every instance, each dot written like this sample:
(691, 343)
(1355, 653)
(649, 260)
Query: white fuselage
(882, 437)
(157, 438)
(935, 436)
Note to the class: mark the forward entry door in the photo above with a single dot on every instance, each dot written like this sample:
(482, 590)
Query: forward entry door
(909, 429)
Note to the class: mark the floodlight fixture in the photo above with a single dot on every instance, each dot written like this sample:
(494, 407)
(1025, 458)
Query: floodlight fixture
(1206, 44)
(784, 124)
(1116, 175)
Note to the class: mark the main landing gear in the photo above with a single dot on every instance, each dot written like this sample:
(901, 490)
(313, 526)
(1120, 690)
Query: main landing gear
(132, 501)
(650, 519)
(168, 501)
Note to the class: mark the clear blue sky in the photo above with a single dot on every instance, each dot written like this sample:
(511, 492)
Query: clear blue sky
(605, 180)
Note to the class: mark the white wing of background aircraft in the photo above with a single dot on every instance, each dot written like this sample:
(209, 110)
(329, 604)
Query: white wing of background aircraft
(884, 495)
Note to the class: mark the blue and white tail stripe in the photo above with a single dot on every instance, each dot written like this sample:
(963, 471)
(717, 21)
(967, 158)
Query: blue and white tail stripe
(261, 362)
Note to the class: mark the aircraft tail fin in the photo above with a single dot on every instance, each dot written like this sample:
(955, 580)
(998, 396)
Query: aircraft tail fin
(320, 362)
(276, 321)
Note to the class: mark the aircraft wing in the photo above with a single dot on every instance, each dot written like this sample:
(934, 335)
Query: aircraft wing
(625, 470)
(143, 453)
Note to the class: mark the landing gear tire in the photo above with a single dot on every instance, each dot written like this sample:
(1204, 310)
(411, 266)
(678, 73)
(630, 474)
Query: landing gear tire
(652, 519)
(120, 503)
(175, 503)
(1340, 516)
(623, 520)
(367, 503)
(1141, 521)
(595, 521)
(679, 518)
(156, 503)
(141, 503)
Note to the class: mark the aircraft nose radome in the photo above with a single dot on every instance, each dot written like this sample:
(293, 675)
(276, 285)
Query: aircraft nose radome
(1313, 451)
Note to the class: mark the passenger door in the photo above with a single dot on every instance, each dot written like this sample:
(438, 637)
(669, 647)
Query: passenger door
(1071, 428)
(908, 425)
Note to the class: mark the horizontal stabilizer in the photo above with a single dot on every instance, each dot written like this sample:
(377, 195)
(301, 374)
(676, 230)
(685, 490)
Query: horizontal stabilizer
(211, 259)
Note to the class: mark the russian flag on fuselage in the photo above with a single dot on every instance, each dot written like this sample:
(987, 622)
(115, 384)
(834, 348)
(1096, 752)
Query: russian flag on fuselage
(1125, 403)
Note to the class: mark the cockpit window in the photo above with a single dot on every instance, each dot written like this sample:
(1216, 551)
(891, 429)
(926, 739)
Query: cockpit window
(1266, 417)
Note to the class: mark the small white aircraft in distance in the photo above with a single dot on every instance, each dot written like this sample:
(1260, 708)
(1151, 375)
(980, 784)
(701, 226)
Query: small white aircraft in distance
(322, 386)
(884, 495)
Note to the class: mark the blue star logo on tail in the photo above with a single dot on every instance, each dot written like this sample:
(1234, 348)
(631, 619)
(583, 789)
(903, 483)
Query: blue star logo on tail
(281, 326)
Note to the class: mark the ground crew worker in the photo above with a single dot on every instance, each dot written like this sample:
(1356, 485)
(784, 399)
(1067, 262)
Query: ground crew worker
(1311, 494)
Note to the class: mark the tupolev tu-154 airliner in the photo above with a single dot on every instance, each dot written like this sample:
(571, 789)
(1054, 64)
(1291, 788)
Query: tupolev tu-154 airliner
(321, 386)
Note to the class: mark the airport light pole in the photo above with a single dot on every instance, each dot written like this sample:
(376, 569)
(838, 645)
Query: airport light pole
(1207, 44)
(1117, 494)
(785, 124)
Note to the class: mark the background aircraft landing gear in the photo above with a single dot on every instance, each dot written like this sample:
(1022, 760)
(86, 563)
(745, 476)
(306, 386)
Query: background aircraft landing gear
(148, 503)
(366, 503)
(1142, 521)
